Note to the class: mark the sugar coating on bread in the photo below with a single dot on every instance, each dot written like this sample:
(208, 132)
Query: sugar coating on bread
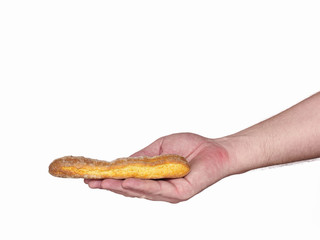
(157, 167)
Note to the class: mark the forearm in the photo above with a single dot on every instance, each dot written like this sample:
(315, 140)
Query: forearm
(290, 136)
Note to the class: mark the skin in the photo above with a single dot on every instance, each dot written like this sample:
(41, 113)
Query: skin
(293, 135)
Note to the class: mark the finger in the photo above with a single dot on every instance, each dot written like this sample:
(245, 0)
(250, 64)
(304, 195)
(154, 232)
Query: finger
(139, 189)
(144, 186)
(115, 185)
(125, 194)
(94, 183)
(156, 188)
(111, 184)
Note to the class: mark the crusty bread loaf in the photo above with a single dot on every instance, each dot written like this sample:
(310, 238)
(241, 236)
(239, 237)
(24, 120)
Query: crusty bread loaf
(157, 167)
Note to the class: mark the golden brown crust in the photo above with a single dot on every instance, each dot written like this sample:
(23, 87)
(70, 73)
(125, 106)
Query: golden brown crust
(163, 166)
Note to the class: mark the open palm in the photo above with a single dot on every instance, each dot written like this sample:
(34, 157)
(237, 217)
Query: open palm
(208, 160)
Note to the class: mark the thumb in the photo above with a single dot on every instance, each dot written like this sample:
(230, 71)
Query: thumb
(151, 150)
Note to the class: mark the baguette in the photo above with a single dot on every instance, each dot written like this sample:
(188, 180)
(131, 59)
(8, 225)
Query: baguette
(157, 167)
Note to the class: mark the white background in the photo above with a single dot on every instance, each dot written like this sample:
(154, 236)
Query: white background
(103, 79)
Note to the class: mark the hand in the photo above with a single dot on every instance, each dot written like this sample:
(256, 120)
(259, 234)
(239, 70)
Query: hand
(290, 136)
(208, 161)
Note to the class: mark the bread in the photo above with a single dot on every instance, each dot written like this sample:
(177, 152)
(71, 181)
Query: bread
(157, 167)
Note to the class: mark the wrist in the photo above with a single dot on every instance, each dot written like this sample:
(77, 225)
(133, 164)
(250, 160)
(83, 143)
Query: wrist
(245, 151)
